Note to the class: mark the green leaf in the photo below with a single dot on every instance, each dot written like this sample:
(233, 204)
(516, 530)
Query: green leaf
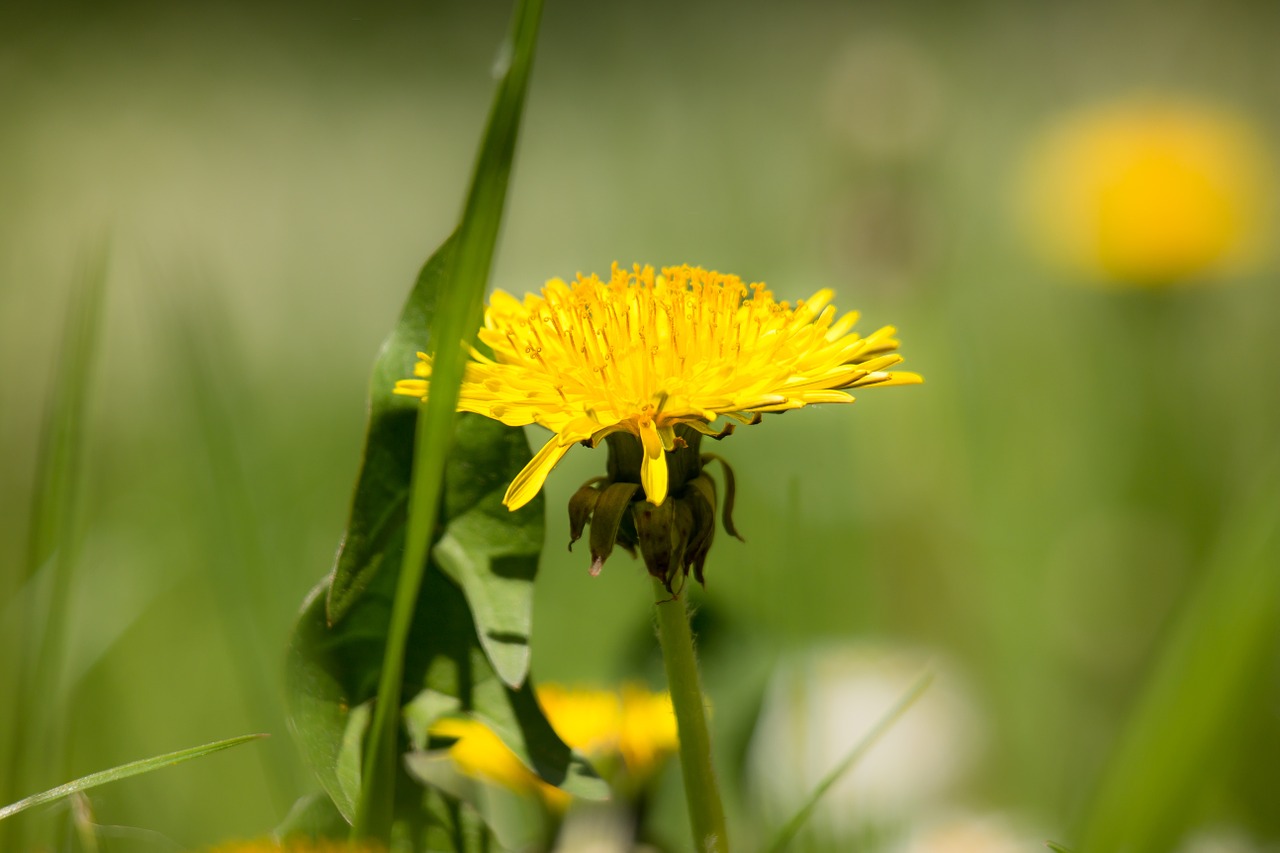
(1217, 651)
(332, 670)
(792, 826)
(124, 771)
(490, 552)
(1057, 848)
(331, 674)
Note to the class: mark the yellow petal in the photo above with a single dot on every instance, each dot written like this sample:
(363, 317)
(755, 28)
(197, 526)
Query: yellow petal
(897, 377)
(532, 476)
(653, 469)
(411, 388)
(811, 397)
(577, 429)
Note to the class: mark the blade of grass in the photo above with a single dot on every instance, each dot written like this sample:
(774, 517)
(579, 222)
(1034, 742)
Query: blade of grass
(797, 821)
(124, 771)
(457, 320)
(36, 743)
(1217, 649)
(211, 390)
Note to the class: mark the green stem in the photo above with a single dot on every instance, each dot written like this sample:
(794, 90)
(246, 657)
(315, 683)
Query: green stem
(706, 813)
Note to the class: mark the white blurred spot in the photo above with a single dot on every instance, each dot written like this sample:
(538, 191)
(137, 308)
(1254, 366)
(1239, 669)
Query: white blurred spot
(822, 704)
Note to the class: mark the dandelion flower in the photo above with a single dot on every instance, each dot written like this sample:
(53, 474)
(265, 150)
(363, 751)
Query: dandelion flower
(1147, 193)
(635, 724)
(479, 753)
(630, 732)
(648, 362)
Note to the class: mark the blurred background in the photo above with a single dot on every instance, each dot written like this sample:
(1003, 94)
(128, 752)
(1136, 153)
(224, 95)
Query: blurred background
(1066, 210)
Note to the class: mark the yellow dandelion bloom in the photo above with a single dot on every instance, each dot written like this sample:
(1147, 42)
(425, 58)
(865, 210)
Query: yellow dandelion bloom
(587, 720)
(1147, 193)
(481, 754)
(635, 725)
(648, 733)
(644, 353)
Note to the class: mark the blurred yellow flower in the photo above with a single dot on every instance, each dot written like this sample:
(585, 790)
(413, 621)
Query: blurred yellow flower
(644, 353)
(481, 754)
(634, 725)
(1148, 193)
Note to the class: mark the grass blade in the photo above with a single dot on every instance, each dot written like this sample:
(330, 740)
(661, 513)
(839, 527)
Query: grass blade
(35, 741)
(457, 319)
(797, 821)
(53, 504)
(1218, 649)
(211, 387)
(124, 771)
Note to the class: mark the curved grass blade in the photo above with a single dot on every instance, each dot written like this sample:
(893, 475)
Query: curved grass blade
(457, 318)
(797, 821)
(1218, 647)
(124, 771)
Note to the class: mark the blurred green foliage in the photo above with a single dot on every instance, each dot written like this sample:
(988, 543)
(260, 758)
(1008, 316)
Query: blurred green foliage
(1037, 514)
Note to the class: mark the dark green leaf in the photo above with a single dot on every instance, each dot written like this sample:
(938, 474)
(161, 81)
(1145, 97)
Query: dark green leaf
(333, 669)
(331, 674)
(378, 509)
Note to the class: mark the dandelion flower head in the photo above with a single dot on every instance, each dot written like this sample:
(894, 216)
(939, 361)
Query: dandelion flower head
(634, 725)
(645, 352)
(1147, 193)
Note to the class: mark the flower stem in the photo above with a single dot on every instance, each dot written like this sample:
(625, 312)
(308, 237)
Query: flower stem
(706, 813)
